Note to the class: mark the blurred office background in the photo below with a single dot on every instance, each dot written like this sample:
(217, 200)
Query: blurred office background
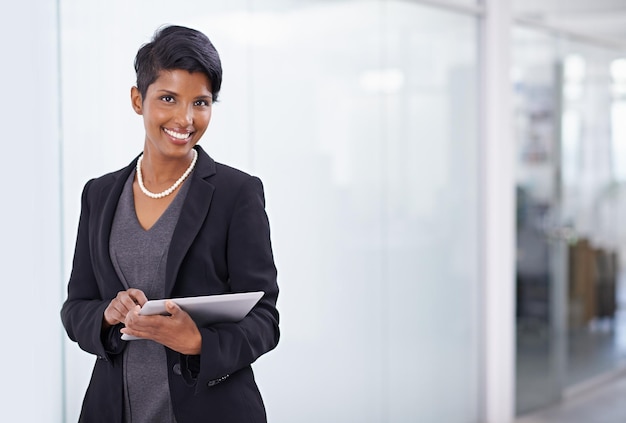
(445, 181)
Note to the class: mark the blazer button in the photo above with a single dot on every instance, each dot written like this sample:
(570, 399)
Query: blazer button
(176, 369)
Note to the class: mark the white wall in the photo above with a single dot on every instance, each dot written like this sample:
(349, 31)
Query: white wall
(30, 253)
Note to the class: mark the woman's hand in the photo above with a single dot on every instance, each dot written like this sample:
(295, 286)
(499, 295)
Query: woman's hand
(177, 332)
(119, 306)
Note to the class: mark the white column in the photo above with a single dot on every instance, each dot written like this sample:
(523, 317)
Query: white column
(498, 181)
(30, 260)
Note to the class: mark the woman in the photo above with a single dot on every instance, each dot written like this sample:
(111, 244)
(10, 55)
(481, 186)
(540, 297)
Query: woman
(173, 223)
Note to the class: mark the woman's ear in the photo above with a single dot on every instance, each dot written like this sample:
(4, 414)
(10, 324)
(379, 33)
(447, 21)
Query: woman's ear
(136, 100)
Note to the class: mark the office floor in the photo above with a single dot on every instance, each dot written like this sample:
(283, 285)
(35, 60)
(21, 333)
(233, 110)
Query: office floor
(603, 404)
(592, 353)
(596, 350)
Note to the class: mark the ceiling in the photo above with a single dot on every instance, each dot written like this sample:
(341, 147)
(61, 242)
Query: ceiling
(602, 20)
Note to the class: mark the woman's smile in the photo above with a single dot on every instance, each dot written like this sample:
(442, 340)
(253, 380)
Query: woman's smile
(178, 135)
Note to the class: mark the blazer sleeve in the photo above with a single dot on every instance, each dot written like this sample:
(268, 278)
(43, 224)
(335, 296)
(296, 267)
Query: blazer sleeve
(83, 310)
(228, 347)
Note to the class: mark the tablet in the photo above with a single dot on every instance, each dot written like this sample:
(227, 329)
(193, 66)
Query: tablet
(207, 309)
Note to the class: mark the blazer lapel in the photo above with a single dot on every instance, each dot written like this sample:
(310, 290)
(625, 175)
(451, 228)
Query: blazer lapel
(192, 216)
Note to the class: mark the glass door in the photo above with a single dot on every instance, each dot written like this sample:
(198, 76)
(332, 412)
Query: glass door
(542, 234)
(591, 193)
(569, 198)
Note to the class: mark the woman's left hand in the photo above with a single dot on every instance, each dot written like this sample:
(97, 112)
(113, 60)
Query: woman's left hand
(177, 332)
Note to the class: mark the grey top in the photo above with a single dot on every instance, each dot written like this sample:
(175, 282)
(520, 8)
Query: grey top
(139, 257)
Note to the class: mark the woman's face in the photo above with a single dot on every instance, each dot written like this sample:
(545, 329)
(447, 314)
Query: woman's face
(176, 112)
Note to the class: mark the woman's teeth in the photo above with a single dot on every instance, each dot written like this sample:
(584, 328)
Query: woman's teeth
(177, 135)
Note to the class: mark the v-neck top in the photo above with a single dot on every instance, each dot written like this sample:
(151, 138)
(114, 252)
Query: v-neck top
(139, 257)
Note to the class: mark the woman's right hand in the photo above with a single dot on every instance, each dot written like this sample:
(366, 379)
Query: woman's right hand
(119, 306)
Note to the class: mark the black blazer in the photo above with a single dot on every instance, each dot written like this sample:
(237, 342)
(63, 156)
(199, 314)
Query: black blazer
(221, 244)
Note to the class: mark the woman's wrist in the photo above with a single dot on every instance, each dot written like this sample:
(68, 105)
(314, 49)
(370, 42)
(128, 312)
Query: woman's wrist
(196, 345)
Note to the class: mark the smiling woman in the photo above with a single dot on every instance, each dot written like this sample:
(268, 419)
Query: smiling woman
(204, 232)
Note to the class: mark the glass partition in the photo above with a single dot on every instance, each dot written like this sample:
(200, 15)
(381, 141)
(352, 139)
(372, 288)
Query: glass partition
(540, 262)
(570, 197)
(364, 132)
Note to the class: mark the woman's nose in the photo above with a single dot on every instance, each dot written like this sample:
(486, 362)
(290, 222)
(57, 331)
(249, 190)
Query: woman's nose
(184, 116)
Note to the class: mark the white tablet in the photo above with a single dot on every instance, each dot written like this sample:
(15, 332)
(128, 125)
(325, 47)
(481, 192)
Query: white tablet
(207, 309)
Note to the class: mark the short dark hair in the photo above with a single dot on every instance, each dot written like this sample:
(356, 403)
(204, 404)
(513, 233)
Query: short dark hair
(177, 47)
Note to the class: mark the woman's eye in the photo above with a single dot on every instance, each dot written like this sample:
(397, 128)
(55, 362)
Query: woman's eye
(202, 103)
(168, 98)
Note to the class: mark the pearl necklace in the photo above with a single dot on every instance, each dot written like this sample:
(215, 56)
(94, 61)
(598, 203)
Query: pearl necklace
(170, 189)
